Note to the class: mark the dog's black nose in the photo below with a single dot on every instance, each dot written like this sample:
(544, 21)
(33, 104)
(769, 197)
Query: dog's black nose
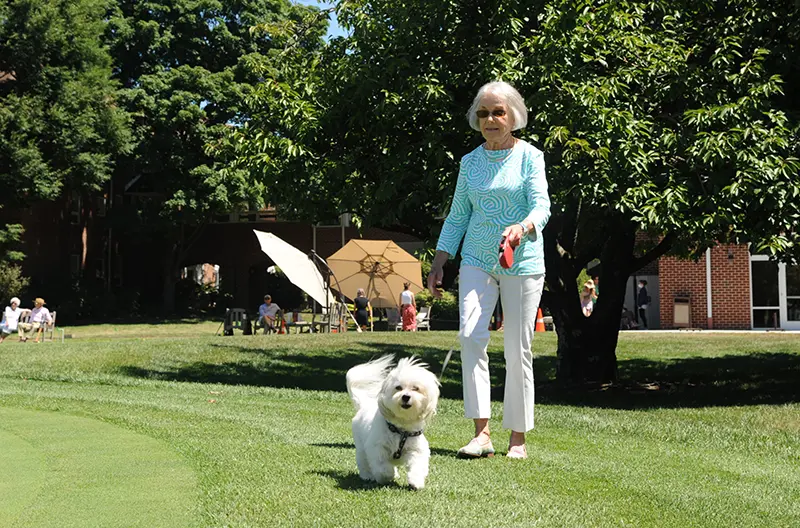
(405, 398)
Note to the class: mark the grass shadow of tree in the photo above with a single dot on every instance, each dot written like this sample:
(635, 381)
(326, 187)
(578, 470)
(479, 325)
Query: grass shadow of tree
(761, 378)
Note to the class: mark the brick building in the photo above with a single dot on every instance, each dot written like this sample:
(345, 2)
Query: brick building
(728, 288)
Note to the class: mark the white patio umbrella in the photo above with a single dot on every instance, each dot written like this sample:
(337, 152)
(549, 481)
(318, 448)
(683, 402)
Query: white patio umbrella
(297, 267)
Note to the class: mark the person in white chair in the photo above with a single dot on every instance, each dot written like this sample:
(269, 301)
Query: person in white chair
(10, 320)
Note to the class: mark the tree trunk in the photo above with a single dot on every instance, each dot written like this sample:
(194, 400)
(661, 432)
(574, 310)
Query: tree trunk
(587, 345)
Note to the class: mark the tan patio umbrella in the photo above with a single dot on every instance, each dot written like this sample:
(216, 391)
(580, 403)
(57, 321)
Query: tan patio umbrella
(379, 266)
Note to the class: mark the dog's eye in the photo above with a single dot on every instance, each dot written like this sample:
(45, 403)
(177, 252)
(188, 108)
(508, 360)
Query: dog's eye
(398, 388)
(415, 389)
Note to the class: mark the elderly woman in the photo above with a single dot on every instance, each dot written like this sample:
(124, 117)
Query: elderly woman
(501, 192)
(10, 320)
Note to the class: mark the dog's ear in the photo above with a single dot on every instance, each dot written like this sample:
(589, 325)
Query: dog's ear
(386, 412)
(432, 392)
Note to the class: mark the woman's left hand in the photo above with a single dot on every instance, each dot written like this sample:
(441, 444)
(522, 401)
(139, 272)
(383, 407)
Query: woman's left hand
(513, 234)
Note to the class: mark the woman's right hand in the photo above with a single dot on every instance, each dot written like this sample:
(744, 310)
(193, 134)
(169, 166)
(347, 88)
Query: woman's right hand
(436, 275)
(435, 281)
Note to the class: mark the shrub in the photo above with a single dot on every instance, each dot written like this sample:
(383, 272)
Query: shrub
(444, 309)
(12, 282)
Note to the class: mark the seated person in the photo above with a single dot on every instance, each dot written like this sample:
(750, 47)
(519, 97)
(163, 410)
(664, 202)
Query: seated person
(10, 319)
(267, 313)
(39, 317)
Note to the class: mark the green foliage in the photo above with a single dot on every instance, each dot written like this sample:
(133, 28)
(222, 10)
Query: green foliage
(60, 122)
(12, 282)
(663, 117)
(10, 239)
(200, 299)
(188, 68)
(444, 309)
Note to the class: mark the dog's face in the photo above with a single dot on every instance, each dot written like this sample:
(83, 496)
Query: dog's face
(410, 393)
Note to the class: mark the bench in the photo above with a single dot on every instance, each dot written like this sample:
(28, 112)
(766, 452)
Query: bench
(46, 328)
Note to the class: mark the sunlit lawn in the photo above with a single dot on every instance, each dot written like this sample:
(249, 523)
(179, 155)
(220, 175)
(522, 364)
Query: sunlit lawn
(170, 425)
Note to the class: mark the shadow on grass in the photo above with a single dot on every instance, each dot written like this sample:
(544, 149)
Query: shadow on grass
(187, 320)
(731, 380)
(352, 482)
(755, 379)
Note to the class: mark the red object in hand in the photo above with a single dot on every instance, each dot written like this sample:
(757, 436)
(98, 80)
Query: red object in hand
(507, 253)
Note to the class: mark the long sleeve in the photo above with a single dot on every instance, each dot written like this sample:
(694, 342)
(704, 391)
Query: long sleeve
(536, 192)
(455, 226)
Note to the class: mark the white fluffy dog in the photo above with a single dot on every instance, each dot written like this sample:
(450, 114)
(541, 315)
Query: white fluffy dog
(393, 405)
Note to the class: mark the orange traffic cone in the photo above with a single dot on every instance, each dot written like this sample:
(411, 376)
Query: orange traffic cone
(539, 322)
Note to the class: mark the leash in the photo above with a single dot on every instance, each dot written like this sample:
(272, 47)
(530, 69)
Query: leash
(461, 331)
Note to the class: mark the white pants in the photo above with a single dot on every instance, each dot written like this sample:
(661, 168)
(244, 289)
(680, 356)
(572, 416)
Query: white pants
(520, 295)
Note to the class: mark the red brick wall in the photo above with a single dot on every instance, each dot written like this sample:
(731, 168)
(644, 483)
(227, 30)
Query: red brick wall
(679, 278)
(730, 288)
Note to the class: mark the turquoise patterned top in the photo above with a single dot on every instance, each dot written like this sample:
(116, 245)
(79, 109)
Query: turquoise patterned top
(495, 189)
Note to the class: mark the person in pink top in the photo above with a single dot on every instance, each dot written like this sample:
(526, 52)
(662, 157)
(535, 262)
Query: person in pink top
(39, 317)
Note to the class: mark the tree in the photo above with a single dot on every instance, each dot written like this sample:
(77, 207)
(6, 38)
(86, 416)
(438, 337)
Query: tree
(656, 117)
(188, 68)
(61, 128)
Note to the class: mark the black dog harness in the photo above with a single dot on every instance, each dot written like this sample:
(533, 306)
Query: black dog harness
(404, 436)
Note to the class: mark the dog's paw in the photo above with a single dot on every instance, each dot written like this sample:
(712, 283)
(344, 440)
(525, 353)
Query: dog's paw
(416, 483)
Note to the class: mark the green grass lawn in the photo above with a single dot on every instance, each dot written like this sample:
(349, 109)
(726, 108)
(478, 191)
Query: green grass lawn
(169, 425)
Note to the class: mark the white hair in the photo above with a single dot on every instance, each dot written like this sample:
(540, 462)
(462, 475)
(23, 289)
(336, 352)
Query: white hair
(14, 300)
(511, 97)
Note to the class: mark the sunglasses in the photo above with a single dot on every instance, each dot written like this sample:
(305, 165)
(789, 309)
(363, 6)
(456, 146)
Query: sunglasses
(483, 114)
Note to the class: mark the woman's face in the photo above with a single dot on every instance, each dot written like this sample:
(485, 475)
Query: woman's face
(14, 306)
(495, 128)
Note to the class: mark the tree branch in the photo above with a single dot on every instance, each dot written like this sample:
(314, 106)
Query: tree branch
(658, 251)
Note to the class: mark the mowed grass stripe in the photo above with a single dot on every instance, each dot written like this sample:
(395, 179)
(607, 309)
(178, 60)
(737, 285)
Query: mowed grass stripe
(83, 472)
(22, 476)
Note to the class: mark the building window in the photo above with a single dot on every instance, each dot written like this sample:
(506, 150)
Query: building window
(766, 296)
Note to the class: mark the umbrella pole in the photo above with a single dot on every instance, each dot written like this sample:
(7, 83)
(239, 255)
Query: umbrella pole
(328, 273)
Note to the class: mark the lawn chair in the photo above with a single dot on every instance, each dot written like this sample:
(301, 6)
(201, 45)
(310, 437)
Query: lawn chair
(278, 324)
(424, 318)
(393, 319)
(237, 319)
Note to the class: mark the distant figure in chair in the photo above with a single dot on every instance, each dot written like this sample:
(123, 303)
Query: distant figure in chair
(40, 316)
(267, 313)
(408, 309)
